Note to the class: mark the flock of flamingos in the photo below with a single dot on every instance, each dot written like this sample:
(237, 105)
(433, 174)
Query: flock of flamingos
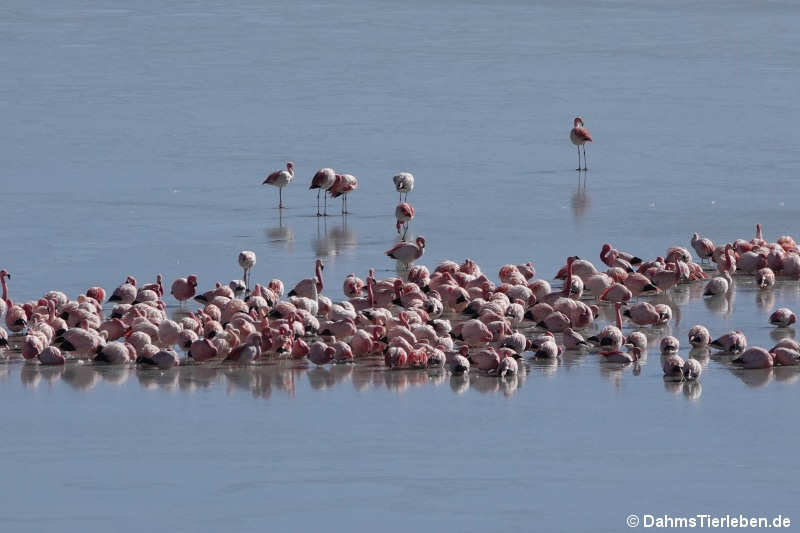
(455, 317)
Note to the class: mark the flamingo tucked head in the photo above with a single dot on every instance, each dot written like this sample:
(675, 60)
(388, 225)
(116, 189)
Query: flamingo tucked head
(290, 166)
(192, 280)
(577, 122)
(421, 242)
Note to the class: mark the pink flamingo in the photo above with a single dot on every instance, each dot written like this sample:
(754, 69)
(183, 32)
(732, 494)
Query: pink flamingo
(404, 212)
(733, 342)
(184, 288)
(52, 356)
(642, 314)
(322, 181)
(755, 357)
(310, 287)
(692, 369)
(765, 278)
(617, 356)
(125, 293)
(673, 366)
(703, 246)
(669, 344)
(579, 137)
(406, 252)
(782, 317)
(3, 302)
(280, 179)
(343, 185)
(699, 336)
(202, 350)
(16, 318)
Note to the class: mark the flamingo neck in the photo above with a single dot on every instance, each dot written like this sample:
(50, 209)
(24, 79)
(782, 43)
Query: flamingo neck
(619, 317)
(568, 281)
(319, 277)
(370, 293)
(5, 290)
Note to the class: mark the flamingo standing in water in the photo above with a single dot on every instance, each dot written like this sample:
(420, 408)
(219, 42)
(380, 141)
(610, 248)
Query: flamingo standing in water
(579, 137)
(280, 179)
(403, 183)
(322, 181)
(343, 185)
(247, 260)
(404, 212)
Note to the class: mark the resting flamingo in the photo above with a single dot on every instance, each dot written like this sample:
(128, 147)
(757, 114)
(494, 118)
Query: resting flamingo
(406, 252)
(579, 137)
(403, 183)
(280, 179)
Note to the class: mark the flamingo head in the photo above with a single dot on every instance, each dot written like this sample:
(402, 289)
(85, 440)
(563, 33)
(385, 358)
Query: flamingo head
(4, 274)
(577, 122)
(290, 166)
(131, 280)
(421, 242)
(192, 280)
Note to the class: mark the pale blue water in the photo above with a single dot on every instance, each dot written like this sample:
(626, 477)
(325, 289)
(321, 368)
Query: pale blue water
(135, 138)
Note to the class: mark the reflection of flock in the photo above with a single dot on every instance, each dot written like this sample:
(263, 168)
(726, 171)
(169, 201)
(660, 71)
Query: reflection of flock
(260, 380)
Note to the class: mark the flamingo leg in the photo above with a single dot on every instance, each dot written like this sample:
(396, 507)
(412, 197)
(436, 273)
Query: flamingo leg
(579, 159)
(326, 205)
(318, 213)
(280, 197)
(585, 164)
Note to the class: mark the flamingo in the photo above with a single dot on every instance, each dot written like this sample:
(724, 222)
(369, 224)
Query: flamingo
(692, 369)
(280, 179)
(247, 260)
(404, 212)
(699, 336)
(673, 366)
(703, 246)
(579, 137)
(755, 357)
(184, 288)
(3, 303)
(322, 181)
(782, 317)
(310, 287)
(403, 183)
(343, 185)
(406, 252)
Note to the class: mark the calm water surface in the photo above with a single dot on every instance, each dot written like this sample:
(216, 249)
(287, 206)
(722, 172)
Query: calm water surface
(134, 141)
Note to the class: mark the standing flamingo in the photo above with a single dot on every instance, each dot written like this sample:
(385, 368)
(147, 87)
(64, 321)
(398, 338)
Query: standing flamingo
(404, 212)
(247, 260)
(342, 186)
(322, 181)
(579, 137)
(280, 179)
(403, 183)
(3, 303)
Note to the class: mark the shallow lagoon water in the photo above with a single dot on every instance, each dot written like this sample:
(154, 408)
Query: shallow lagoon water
(135, 140)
